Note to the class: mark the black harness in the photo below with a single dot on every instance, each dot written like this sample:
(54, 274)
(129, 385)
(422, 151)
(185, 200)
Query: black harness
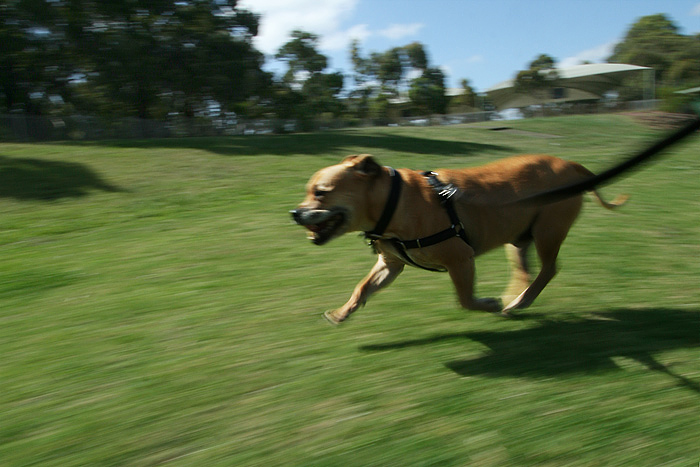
(445, 192)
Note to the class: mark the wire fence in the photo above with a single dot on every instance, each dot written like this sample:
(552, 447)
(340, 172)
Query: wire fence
(27, 128)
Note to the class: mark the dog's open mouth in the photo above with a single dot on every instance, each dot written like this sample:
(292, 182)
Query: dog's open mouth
(324, 231)
(322, 224)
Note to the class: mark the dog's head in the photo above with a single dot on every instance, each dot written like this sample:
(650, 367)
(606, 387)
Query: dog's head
(337, 199)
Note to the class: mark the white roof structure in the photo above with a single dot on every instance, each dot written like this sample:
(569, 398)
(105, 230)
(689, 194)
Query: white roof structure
(581, 82)
(689, 91)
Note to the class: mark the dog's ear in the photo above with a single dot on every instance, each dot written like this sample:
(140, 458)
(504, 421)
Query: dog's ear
(364, 164)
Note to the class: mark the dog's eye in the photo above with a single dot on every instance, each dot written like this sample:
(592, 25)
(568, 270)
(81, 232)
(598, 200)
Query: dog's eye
(319, 194)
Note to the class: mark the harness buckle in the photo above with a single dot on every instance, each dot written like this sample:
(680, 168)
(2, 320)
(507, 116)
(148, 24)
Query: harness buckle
(370, 238)
(447, 192)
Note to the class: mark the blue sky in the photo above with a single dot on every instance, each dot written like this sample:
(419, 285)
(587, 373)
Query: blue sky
(485, 41)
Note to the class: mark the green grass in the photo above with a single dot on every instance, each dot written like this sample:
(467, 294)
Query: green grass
(157, 306)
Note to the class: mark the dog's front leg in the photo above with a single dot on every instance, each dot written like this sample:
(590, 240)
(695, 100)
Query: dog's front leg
(462, 275)
(382, 274)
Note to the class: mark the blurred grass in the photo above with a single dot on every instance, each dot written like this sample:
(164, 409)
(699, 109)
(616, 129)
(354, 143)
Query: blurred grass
(158, 307)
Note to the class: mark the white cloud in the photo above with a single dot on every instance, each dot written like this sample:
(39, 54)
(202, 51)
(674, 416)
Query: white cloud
(330, 20)
(280, 17)
(340, 40)
(696, 10)
(399, 31)
(596, 54)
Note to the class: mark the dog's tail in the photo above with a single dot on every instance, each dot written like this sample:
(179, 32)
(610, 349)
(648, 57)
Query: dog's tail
(616, 203)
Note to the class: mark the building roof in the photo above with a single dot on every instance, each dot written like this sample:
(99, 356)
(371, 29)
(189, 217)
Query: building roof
(689, 91)
(581, 82)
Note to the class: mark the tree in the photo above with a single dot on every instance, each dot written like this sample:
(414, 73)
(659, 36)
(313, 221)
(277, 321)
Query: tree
(386, 72)
(321, 92)
(428, 92)
(302, 57)
(305, 86)
(390, 70)
(384, 75)
(543, 62)
(655, 41)
(684, 71)
(363, 75)
(31, 64)
(416, 55)
(194, 52)
(466, 101)
(539, 77)
(141, 57)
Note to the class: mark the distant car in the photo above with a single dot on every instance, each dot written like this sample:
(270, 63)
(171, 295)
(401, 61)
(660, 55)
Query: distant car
(420, 122)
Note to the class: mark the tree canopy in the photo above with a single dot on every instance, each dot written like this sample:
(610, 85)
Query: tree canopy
(538, 77)
(385, 75)
(655, 41)
(137, 57)
(305, 89)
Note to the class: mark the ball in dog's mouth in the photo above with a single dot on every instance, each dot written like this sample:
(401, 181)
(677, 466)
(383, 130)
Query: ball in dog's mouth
(323, 231)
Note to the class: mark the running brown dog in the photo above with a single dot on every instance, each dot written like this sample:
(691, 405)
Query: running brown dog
(442, 220)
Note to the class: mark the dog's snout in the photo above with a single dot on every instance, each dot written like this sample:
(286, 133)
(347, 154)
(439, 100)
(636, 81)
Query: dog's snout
(296, 215)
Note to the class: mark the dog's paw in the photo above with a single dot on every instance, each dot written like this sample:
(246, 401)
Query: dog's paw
(492, 305)
(517, 304)
(331, 318)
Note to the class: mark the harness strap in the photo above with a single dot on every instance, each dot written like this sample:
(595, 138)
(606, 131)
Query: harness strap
(402, 249)
(448, 233)
(391, 202)
(445, 192)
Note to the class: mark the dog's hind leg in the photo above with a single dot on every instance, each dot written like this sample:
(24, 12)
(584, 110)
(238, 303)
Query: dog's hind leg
(382, 274)
(520, 272)
(549, 233)
(546, 274)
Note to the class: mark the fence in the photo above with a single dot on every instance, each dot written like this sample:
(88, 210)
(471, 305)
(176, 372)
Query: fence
(21, 127)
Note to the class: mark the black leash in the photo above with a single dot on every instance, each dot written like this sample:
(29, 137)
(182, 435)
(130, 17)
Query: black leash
(590, 183)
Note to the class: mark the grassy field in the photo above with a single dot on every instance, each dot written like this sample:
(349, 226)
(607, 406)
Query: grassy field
(157, 306)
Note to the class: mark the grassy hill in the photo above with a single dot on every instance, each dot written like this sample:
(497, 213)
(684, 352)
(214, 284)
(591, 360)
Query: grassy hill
(157, 306)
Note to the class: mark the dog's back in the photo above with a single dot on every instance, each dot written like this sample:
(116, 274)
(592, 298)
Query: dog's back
(510, 179)
(489, 194)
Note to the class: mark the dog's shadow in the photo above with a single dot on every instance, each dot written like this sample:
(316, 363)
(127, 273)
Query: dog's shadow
(581, 346)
